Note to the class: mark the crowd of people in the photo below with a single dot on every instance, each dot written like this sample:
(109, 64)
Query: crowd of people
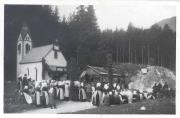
(164, 90)
(43, 93)
(104, 95)
(47, 92)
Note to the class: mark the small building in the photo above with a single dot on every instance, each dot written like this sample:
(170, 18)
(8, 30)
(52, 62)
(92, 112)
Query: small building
(94, 74)
(41, 63)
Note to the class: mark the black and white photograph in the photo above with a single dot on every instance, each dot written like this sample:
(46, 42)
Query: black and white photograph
(89, 59)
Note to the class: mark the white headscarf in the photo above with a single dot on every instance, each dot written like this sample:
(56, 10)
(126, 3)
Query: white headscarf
(106, 86)
(60, 83)
(98, 84)
(118, 87)
(25, 87)
(44, 84)
(82, 84)
(114, 84)
(77, 83)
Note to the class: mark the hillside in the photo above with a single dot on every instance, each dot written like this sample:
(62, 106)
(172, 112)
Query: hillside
(155, 74)
(170, 21)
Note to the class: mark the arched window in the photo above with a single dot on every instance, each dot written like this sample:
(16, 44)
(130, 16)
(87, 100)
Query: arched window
(55, 54)
(36, 72)
(19, 48)
(27, 48)
(27, 71)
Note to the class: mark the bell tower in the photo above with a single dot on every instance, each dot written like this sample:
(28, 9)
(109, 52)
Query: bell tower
(24, 44)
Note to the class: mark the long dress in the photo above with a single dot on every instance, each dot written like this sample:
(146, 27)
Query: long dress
(28, 98)
(57, 92)
(116, 99)
(66, 91)
(37, 98)
(105, 98)
(75, 93)
(82, 94)
(61, 93)
(45, 97)
(51, 97)
(98, 96)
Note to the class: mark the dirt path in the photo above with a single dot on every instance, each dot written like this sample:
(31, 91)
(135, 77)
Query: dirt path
(64, 107)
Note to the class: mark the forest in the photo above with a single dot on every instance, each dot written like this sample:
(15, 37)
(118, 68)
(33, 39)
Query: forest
(82, 41)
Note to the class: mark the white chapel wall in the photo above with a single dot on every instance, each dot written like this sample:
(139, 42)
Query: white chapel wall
(60, 61)
(32, 70)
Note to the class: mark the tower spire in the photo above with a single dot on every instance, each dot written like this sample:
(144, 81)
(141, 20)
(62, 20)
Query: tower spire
(25, 30)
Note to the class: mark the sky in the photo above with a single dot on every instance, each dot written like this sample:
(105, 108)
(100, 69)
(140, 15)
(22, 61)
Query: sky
(113, 17)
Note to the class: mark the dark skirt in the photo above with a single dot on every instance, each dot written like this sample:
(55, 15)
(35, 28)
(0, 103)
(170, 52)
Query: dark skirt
(111, 99)
(116, 99)
(97, 99)
(136, 97)
(124, 98)
(106, 100)
(51, 99)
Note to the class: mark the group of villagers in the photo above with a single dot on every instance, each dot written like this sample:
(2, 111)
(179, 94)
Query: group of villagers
(49, 93)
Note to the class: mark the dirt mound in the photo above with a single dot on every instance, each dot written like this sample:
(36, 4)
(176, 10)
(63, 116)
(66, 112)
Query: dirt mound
(155, 74)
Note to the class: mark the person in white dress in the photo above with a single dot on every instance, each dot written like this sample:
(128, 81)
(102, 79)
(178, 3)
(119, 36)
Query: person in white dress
(37, 94)
(61, 90)
(66, 90)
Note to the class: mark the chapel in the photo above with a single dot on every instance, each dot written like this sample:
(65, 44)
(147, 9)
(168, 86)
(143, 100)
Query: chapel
(40, 63)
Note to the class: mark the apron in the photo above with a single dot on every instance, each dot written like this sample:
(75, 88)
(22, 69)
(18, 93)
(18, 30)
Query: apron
(57, 92)
(61, 93)
(37, 98)
(45, 98)
(27, 98)
(66, 92)
(51, 96)
(82, 95)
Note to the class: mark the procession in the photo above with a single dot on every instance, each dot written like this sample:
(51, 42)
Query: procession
(49, 93)
(77, 59)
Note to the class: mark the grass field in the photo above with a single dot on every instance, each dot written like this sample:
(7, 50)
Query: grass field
(159, 106)
(12, 102)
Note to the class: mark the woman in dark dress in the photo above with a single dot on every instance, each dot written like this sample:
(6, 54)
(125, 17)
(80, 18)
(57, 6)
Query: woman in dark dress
(82, 93)
(52, 96)
(75, 90)
(105, 99)
(45, 96)
(97, 95)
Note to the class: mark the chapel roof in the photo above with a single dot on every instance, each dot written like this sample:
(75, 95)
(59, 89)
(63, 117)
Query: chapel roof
(37, 54)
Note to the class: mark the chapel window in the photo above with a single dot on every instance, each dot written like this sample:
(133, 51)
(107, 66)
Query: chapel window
(55, 55)
(19, 48)
(27, 48)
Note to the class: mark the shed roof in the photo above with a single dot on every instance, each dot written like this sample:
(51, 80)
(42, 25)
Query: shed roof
(104, 71)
